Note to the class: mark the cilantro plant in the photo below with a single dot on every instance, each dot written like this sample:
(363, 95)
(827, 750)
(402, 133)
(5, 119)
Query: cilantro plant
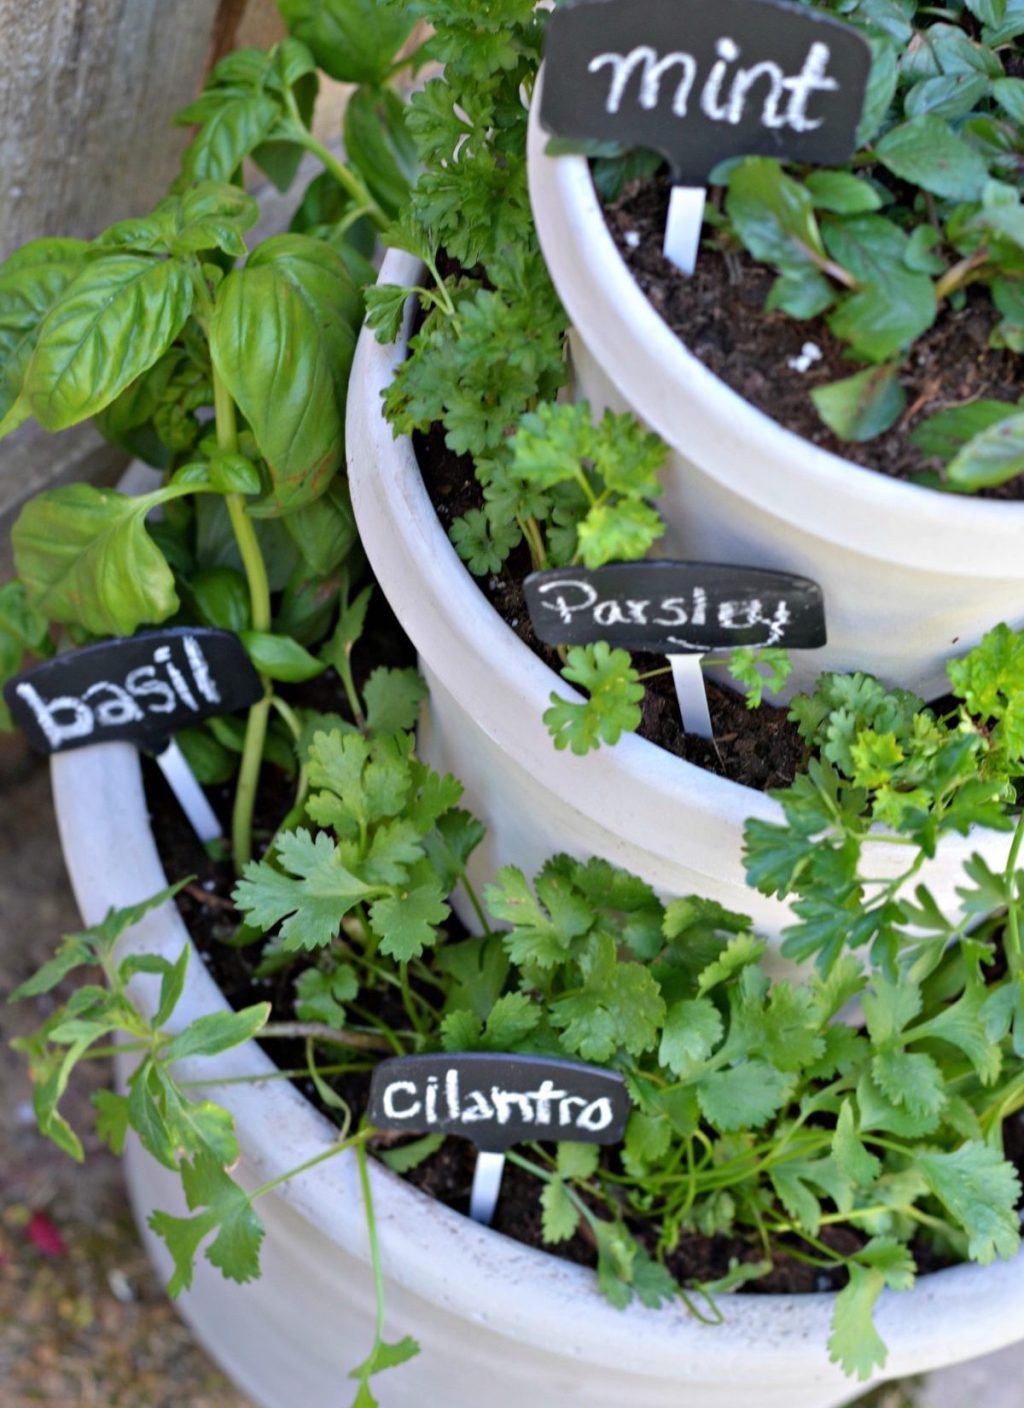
(223, 365)
(758, 1110)
(929, 207)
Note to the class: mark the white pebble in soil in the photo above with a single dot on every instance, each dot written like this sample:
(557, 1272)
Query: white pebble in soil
(810, 353)
(632, 239)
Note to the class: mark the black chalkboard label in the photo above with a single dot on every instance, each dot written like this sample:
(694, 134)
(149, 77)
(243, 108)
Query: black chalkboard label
(675, 608)
(139, 689)
(499, 1100)
(702, 82)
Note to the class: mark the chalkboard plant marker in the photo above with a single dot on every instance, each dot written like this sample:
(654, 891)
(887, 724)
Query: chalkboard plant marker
(141, 690)
(497, 1100)
(701, 84)
(680, 610)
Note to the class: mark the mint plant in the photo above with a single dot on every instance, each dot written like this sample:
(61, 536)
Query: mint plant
(224, 366)
(928, 208)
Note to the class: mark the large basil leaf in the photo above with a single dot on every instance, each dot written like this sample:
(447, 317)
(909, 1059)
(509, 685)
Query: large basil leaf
(86, 559)
(114, 320)
(31, 281)
(352, 40)
(318, 273)
(282, 342)
(234, 127)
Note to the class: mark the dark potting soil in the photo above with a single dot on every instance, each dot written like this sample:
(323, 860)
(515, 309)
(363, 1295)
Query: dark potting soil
(759, 748)
(718, 314)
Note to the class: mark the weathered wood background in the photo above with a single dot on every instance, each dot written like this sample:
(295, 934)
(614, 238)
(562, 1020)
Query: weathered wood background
(87, 91)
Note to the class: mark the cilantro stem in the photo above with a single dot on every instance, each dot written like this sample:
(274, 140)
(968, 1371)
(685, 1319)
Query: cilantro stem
(407, 999)
(371, 1232)
(355, 1141)
(319, 1031)
(1012, 939)
(294, 814)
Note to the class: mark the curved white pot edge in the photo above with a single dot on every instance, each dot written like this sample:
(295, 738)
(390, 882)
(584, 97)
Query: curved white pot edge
(679, 397)
(112, 861)
(662, 804)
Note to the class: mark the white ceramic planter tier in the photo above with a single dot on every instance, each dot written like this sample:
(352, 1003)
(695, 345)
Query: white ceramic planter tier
(910, 576)
(497, 1321)
(674, 824)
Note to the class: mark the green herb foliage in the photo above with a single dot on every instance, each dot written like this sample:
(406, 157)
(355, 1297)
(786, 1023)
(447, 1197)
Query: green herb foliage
(764, 1109)
(884, 763)
(489, 356)
(929, 207)
(223, 365)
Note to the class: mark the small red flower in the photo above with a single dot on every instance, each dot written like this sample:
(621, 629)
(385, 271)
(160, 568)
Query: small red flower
(45, 1237)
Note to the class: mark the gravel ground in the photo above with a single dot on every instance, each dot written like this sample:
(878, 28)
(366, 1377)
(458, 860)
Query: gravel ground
(83, 1321)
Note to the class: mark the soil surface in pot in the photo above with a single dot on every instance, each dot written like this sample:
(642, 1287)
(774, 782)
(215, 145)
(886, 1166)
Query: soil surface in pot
(718, 314)
(759, 748)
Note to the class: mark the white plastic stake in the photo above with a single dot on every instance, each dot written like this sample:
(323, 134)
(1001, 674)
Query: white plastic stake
(190, 795)
(483, 1198)
(683, 227)
(688, 678)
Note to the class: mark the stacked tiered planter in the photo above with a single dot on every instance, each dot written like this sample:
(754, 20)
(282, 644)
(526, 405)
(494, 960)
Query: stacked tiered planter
(680, 828)
(674, 824)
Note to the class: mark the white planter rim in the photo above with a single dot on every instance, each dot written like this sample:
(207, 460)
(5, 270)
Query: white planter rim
(578, 239)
